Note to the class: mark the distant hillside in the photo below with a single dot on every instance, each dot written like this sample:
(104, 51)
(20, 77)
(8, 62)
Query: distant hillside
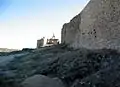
(7, 50)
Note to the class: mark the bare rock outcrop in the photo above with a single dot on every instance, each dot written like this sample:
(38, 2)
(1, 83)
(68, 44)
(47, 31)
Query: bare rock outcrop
(96, 27)
(42, 81)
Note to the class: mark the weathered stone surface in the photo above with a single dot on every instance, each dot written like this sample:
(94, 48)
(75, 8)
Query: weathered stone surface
(40, 42)
(96, 27)
(42, 81)
(70, 29)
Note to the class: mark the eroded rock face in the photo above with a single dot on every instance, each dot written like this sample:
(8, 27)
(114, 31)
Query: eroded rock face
(96, 27)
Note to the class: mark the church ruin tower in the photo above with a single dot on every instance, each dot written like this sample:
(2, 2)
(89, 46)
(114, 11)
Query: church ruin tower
(40, 42)
(96, 27)
(53, 41)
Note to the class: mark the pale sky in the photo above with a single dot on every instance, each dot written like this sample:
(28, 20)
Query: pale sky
(22, 22)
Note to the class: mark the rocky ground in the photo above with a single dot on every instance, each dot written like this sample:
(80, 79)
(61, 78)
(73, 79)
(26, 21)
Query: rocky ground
(75, 68)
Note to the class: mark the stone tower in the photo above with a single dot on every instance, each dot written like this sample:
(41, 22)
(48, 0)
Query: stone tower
(40, 42)
(96, 27)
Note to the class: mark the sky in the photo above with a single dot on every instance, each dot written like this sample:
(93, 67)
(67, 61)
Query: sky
(23, 22)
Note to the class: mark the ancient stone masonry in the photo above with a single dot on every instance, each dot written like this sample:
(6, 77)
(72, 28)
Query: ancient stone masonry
(53, 40)
(40, 42)
(96, 27)
(70, 29)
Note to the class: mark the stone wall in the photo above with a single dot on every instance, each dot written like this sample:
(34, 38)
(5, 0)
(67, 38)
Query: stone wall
(96, 27)
(40, 43)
